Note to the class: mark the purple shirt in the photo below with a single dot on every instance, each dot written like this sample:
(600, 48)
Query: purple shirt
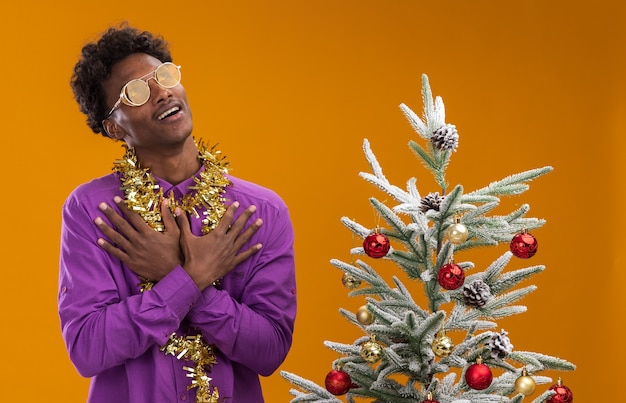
(113, 332)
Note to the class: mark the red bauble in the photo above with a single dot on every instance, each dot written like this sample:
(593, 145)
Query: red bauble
(451, 276)
(338, 382)
(376, 245)
(524, 245)
(478, 376)
(563, 394)
(429, 399)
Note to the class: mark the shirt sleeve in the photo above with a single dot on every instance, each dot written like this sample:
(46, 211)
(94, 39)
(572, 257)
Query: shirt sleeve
(105, 322)
(256, 330)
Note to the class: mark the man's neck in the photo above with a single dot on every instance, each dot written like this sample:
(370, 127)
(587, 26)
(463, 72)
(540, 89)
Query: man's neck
(173, 166)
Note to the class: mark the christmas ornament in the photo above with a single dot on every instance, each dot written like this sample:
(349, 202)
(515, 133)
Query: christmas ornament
(376, 245)
(364, 316)
(524, 245)
(431, 201)
(451, 276)
(476, 294)
(445, 138)
(563, 394)
(442, 345)
(371, 351)
(429, 398)
(194, 348)
(478, 376)
(499, 345)
(525, 384)
(457, 233)
(338, 382)
(350, 282)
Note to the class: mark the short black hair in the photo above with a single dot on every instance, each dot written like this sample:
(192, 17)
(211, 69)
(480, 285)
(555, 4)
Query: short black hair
(95, 63)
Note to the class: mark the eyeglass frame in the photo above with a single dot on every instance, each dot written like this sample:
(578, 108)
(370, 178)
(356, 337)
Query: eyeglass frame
(145, 78)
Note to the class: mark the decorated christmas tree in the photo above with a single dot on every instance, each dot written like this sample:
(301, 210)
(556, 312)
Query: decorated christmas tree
(406, 353)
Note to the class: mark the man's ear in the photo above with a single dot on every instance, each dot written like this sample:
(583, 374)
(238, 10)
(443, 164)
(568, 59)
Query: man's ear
(112, 129)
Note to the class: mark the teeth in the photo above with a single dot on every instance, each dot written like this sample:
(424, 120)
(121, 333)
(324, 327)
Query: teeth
(168, 112)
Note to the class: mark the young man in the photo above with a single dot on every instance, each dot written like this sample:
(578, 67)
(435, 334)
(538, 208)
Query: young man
(176, 280)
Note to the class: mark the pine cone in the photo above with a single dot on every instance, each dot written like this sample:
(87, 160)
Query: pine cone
(445, 138)
(432, 201)
(500, 345)
(476, 294)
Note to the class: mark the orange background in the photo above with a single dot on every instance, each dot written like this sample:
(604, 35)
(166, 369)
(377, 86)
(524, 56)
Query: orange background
(289, 90)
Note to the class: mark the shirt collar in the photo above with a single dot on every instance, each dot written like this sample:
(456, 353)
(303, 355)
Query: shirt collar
(182, 188)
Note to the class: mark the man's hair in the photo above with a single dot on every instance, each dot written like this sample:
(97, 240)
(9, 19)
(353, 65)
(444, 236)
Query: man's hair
(97, 59)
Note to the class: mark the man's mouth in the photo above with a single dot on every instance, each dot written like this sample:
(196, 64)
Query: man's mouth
(170, 112)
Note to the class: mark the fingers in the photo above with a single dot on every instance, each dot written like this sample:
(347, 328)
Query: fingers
(237, 226)
(123, 231)
(116, 252)
(246, 235)
(124, 228)
(132, 223)
(169, 220)
(128, 225)
(182, 221)
(247, 253)
(243, 237)
(231, 232)
(226, 221)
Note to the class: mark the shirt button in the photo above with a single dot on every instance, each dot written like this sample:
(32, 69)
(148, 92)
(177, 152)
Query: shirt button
(183, 397)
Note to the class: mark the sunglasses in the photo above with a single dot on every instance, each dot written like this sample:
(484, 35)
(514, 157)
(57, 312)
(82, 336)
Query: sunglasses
(137, 92)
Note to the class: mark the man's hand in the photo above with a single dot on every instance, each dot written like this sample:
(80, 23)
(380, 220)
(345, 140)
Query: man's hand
(150, 254)
(209, 257)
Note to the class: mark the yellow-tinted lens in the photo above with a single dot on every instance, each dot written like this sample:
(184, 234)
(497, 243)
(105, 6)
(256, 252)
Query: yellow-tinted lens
(167, 75)
(137, 92)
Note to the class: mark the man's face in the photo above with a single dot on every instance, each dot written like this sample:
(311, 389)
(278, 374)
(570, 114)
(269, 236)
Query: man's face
(164, 120)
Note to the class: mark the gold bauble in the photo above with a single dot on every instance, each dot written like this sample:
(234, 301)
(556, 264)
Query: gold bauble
(364, 316)
(442, 345)
(525, 384)
(371, 351)
(457, 233)
(350, 282)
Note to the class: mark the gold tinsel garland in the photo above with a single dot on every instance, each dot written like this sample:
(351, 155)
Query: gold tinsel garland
(194, 348)
(144, 196)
